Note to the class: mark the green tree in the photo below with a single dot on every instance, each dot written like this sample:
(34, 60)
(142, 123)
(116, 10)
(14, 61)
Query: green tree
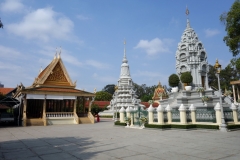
(95, 109)
(212, 79)
(229, 73)
(231, 20)
(110, 88)
(103, 96)
(144, 92)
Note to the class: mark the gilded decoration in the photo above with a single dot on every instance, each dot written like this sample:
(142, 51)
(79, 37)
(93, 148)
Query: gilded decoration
(57, 74)
(159, 93)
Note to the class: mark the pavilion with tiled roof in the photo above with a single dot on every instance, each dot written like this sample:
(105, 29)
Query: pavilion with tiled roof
(53, 98)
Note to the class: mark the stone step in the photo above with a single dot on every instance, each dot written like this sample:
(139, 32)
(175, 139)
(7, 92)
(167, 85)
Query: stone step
(35, 122)
(84, 120)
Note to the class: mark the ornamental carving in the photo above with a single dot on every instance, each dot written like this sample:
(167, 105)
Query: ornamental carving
(57, 74)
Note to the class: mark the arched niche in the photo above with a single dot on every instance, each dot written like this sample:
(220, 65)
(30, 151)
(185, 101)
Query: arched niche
(202, 56)
(204, 68)
(183, 68)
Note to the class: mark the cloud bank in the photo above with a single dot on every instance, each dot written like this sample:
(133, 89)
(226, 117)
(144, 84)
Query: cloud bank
(154, 46)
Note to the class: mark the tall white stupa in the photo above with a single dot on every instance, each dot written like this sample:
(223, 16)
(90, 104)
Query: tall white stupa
(124, 95)
(192, 57)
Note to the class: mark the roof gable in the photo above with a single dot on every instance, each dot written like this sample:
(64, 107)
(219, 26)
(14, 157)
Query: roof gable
(55, 74)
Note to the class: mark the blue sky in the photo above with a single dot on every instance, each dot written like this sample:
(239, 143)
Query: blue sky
(91, 34)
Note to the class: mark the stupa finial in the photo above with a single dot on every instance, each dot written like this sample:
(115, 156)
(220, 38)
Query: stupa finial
(124, 56)
(187, 13)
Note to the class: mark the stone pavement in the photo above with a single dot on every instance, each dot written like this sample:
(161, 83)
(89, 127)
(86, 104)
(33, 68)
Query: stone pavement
(104, 141)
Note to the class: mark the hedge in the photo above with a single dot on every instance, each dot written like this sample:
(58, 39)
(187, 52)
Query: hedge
(186, 126)
(120, 124)
(233, 126)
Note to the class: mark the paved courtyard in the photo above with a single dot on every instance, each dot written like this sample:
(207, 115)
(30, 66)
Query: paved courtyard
(104, 141)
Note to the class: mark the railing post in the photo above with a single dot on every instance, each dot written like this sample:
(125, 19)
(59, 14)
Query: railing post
(217, 109)
(128, 110)
(131, 110)
(169, 113)
(121, 111)
(235, 115)
(150, 114)
(192, 108)
(160, 110)
(183, 117)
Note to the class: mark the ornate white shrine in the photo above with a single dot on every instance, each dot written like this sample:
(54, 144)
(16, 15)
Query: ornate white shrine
(192, 57)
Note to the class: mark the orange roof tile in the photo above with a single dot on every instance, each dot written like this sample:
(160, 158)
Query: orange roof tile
(147, 104)
(101, 104)
(59, 90)
(5, 91)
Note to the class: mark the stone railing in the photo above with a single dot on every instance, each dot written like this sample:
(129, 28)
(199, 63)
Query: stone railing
(185, 115)
(90, 116)
(59, 114)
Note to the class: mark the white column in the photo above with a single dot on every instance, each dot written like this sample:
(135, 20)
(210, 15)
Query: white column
(206, 82)
(235, 115)
(128, 112)
(238, 93)
(234, 95)
(192, 108)
(169, 113)
(217, 109)
(122, 111)
(183, 116)
(150, 114)
(160, 110)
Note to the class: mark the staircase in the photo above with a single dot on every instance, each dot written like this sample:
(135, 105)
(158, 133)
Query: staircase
(84, 120)
(35, 122)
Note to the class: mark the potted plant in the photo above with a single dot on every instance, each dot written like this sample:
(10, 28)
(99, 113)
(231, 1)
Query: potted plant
(173, 81)
(205, 99)
(143, 121)
(186, 78)
(200, 90)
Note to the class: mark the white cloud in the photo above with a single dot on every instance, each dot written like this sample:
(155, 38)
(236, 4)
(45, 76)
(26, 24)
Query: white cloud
(6, 52)
(211, 32)
(82, 17)
(71, 59)
(12, 6)
(154, 46)
(96, 64)
(43, 24)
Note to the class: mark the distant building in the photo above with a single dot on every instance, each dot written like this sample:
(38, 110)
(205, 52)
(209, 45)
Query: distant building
(1, 85)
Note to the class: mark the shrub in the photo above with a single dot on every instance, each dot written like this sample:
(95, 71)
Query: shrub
(186, 77)
(120, 124)
(173, 80)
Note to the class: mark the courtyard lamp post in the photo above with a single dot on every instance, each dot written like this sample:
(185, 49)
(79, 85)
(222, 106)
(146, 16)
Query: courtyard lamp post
(222, 126)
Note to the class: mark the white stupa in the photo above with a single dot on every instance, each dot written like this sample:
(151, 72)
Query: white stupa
(124, 95)
(192, 57)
